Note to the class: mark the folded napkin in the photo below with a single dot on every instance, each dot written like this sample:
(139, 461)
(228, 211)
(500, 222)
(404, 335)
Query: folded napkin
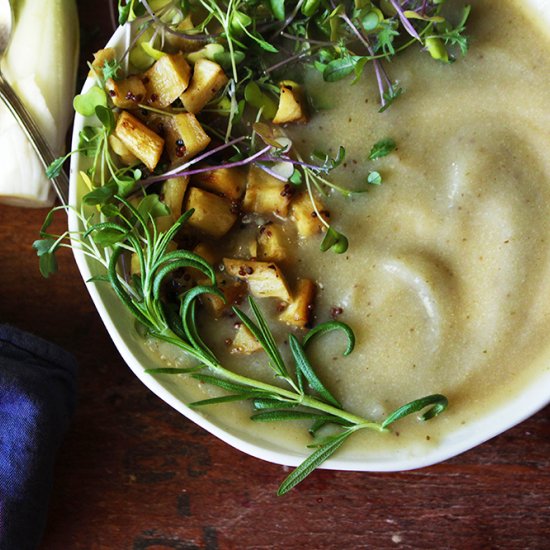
(37, 398)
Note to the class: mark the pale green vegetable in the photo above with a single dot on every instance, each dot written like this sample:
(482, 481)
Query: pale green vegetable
(41, 65)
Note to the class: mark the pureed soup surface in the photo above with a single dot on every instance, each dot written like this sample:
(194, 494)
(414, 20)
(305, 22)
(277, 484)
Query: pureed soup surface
(446, 282)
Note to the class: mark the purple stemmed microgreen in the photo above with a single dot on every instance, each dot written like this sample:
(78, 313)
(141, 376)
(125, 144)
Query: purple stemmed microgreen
(404, 21)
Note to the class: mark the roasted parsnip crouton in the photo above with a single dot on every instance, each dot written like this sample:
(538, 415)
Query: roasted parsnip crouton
(266, 194)
(265, 279)
(271, 243)
(206, 252)
(244, 342)
(164, 223)
(298, 312)
(127, 93)
(213, 214)
(234, 292)
(135, 267)
(173, 191)
(229, 182)
(126, 157)
(187, 138)
(304, 216)
(140, 140)
(292, 104)
(207, 80)
(167, 79)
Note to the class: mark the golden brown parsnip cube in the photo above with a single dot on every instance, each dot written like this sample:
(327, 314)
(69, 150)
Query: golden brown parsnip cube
(265, 279)
(164, 223)
(253, 249)
(292, 104)
(213, 214)
(234, 292)
(265, 194)
(126, 157)
(271, 241)
(173, 191)
(229, 182)
(207, 80)
(167, 79)
(206, 252)
(127, 93)
(135, 268)
(304, 216)
(298, 313)
(106, 54)
(244, 342)
(140, 140)
(193, 138)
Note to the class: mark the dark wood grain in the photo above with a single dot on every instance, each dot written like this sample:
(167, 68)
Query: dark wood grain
(135, 474)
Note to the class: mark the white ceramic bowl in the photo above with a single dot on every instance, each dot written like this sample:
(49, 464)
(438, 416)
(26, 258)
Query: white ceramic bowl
(176, 392)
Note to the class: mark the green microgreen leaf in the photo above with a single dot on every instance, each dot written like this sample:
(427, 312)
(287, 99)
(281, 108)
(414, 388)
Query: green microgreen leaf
(278, 9)
(108, 236)
(257, 98)
(87, 103)
(225, 59)
(101, 195)
(340, 68)
(111, 68)
(309, 7)
(335, 241)
(152, 207)
(47, 264)
(106, 117)
(45, 250)
(382, 148)
(296, 177)
(55, 168)
(374, 178)
(330, 163)
(89, 140)
(389, 96)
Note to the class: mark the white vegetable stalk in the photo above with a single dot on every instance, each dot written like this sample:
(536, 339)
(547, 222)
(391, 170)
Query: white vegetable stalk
(40, 64)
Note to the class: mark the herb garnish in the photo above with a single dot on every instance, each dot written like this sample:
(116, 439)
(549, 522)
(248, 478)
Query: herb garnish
(299, 393)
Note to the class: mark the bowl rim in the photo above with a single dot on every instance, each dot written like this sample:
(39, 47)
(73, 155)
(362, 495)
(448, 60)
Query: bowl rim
(529, 401)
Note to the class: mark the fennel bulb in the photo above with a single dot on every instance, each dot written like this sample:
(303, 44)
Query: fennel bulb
(40, 64)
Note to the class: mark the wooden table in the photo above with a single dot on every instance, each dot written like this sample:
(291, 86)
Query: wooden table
(133, 473)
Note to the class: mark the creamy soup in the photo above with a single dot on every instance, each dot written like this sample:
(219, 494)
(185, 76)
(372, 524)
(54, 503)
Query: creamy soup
(446, 281)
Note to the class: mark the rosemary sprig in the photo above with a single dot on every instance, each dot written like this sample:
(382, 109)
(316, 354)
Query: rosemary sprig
(298, 394)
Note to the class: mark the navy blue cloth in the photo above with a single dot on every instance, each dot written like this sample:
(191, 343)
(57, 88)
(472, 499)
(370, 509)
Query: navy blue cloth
(37, 399)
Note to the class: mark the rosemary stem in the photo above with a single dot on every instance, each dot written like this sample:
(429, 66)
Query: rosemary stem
(305, 400)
